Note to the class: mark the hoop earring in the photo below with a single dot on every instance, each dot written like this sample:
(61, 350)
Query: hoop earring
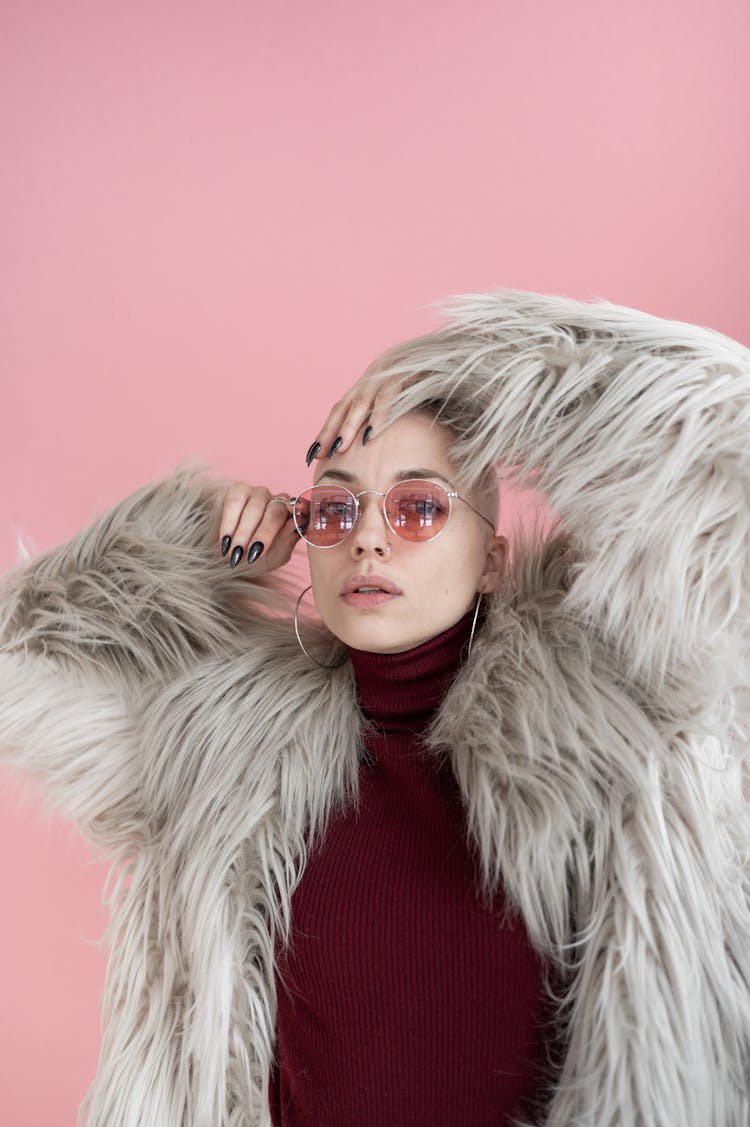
(336, 664)
(473, 626)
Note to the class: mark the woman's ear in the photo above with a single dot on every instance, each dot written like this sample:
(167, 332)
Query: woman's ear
(495, 565)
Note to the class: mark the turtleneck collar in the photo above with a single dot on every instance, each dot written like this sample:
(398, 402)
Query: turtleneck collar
(402, 691)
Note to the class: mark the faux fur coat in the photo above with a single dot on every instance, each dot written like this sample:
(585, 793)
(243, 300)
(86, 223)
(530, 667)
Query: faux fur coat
(597, 731)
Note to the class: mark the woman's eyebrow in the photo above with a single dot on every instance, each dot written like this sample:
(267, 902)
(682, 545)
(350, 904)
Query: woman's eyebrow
(403, 475)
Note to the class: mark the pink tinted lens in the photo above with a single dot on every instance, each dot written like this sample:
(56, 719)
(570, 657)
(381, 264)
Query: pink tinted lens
(325, 515)
(417, 510)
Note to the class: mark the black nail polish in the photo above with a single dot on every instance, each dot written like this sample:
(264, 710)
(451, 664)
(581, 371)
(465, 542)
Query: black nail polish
(335, 446)
(226, 541)
(366, 435)
(254, 551)
(312, 452)
(236, 556)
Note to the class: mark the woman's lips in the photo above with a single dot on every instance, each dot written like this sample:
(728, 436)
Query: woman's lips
(368, 598)
(369, 590)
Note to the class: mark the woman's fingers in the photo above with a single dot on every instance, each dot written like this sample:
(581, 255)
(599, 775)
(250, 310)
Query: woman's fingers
(256, 524)
(233, 503)
(366, 404)
(259, 520)
(278, 545)
(329, 438)
(342, 428)
(258, 533)
(381, 403)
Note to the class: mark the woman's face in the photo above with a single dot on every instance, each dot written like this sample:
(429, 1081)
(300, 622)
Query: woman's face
(437, 580)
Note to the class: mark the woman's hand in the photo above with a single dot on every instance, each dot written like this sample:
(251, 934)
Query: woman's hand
(254, 524)
(368, 402)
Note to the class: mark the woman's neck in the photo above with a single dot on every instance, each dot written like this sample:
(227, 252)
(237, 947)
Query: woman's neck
(402, 691)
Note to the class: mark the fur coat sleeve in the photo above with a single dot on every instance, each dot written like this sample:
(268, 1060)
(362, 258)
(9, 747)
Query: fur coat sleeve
(597, 734)
(97, 628)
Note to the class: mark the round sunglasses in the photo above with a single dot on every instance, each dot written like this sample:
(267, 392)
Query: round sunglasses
(416, 510)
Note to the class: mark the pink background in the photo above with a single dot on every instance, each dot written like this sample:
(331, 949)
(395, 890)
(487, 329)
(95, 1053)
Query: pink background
(208, 210)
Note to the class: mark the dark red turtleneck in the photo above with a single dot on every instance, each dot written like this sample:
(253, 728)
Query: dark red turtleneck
(402, 1000)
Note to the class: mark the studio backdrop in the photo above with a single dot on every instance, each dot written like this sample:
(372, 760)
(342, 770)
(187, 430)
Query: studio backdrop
(213, 216)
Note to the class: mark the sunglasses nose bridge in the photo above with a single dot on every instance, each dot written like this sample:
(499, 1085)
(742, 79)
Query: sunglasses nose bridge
(378, 504)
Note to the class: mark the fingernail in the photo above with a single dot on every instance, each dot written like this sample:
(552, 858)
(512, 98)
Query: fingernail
(335, 446)
(254, 551)
(226, 541)
(236, 556)
(312, 452)
(366, 435)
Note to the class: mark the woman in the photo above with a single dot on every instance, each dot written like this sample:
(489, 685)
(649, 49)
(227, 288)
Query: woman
(442, 860)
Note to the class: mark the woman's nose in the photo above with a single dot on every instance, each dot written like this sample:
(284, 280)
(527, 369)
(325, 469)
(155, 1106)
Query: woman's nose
(371, 532)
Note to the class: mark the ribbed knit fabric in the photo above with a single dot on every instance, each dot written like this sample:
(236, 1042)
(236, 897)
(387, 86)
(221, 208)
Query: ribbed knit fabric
(402, 1001)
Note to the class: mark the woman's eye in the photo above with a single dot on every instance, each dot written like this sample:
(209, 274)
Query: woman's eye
(424, 507)
(333, 510)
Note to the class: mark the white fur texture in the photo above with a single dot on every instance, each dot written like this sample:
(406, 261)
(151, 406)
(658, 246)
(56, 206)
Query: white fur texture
(597, 732)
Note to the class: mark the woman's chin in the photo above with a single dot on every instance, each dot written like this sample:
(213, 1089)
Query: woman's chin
(367, 632)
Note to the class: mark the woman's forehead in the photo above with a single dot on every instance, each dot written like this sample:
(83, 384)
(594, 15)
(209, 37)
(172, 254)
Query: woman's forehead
(412, 446)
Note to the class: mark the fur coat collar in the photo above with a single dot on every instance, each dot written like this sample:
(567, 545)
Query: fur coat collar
(595, 733)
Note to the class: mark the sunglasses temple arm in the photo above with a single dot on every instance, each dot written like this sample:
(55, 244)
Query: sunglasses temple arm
(484, 518)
